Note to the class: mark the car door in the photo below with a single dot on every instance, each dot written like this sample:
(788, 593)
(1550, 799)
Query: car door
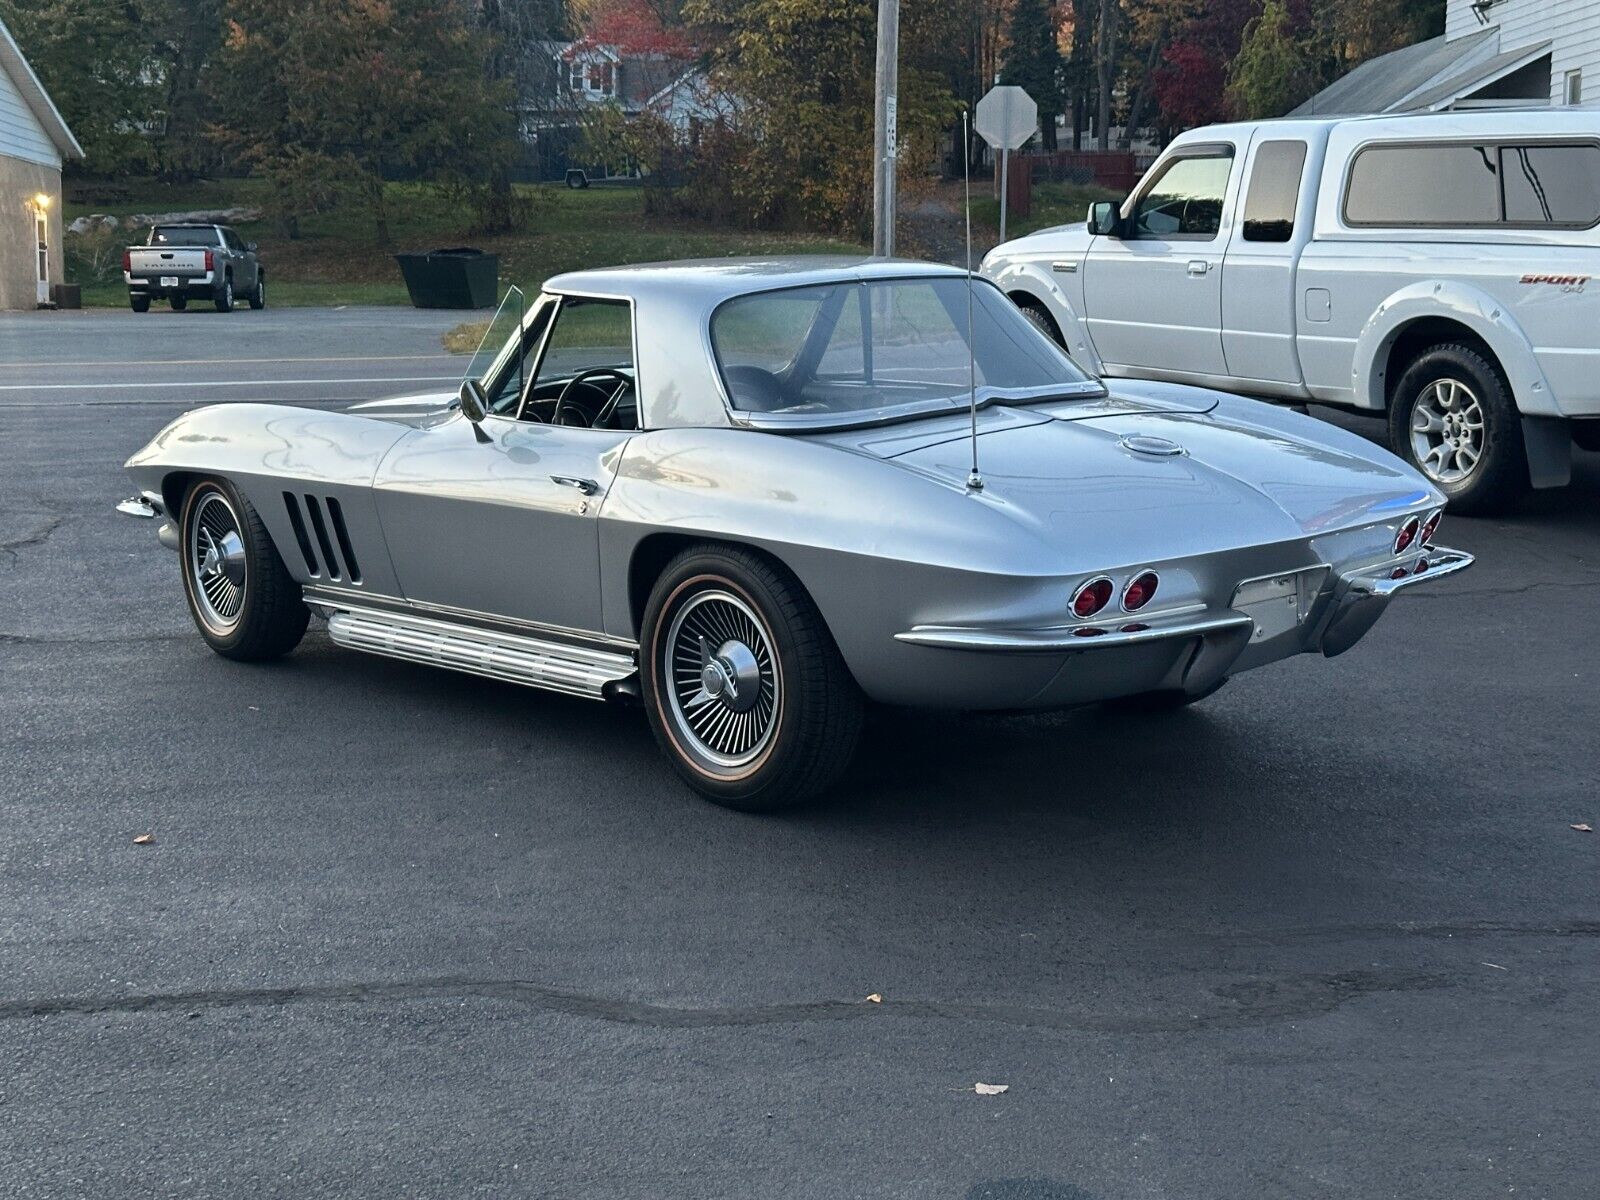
(1258, 273)
(1153, 297)
(500, 519)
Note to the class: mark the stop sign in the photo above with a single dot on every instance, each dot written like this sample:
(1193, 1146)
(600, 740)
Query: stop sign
(1006, 117)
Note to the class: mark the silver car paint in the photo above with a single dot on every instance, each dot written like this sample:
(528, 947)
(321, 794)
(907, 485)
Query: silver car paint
(876, 522)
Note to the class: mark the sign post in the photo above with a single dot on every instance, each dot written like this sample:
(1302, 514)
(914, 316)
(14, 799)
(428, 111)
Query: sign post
(1006, 118)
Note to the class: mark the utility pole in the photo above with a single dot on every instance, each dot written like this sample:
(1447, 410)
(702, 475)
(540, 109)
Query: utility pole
(884, 127)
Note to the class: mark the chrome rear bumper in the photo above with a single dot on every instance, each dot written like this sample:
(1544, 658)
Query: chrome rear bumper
(1360, 597)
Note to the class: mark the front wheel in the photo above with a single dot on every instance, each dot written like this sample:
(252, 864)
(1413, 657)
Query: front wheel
(225, 296)
(1453, 418)
(179, 303)
(746, 691)
(243, 599)
(258, 298)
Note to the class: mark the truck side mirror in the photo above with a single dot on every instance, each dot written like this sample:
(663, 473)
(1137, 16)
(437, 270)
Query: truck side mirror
(251, 247)
(1105, 219)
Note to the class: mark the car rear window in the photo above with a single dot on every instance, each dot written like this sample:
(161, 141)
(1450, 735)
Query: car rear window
(1475, 185)
(179, 235)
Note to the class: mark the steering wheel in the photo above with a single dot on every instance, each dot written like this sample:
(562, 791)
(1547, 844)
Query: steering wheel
(607, 407)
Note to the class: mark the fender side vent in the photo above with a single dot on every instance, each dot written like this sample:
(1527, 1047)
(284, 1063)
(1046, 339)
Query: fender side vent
(314, 510)
(291, 502)
(336, 516)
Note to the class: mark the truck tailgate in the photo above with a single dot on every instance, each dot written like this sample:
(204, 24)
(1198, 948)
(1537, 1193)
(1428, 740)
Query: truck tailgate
(155, 261)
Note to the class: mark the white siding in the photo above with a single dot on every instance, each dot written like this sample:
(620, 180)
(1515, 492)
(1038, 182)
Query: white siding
(1571, 26)
(21, 135)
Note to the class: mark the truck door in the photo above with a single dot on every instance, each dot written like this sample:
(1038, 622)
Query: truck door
(1258, 272)
(1154, 296)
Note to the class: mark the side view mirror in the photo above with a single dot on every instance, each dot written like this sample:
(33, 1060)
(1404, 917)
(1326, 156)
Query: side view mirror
(474, 404)
(250, 246)
(1105, 219)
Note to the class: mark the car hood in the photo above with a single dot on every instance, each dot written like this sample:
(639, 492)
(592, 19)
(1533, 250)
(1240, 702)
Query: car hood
(419, 409)
(1143, 467)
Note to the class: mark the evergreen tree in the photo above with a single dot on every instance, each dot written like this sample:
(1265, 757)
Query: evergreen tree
(1033, 61)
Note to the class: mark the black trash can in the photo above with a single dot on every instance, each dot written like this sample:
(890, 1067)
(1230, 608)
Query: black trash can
(456, 278)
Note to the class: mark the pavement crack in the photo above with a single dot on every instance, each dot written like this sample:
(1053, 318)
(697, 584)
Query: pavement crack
(1458, 593)
(34, 639)
(37, 538)
(1242, 1003)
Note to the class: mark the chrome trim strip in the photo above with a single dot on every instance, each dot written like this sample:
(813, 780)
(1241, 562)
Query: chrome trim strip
(137, 506)
(343, 598)
(1068, 639)
(556, 667)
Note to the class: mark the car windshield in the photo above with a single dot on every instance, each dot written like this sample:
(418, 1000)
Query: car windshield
(861, 347)
(180, 235)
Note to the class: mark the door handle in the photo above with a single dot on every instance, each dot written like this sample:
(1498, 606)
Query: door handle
(587, 486)
(1198, 266)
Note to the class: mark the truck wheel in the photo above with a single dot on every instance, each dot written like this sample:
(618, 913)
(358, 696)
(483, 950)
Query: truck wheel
(1043, 322)
(179, 303)
(1453, 418)
(244, 601)
(745, 689)
(139, 303)
(225, 296)
(258, 298)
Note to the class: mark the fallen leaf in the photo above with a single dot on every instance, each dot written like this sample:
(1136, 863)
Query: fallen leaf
(990, 1089)
(875, 998)
(144, 839)
(1583, 829)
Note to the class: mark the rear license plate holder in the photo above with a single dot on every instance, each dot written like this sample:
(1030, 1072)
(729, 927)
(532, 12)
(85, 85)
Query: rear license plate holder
(1279, 603)
(169, 281)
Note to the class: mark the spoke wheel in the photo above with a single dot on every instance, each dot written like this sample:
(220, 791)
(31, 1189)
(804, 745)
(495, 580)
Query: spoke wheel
(744, 687)
(216, 561)
(1447, 431)
(725, 684)
(244, 602)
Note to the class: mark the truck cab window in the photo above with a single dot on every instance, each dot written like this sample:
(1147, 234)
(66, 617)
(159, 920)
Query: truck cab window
(1269, 210)
(1186, 198)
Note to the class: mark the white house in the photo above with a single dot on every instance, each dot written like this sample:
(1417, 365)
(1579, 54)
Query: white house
(1493, 54)
(34, 141)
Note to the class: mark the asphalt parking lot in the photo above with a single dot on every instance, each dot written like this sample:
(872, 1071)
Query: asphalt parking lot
(404, 932)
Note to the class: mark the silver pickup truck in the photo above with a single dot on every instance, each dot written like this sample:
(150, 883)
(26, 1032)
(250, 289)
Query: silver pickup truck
(1439, 270)
(193, 262)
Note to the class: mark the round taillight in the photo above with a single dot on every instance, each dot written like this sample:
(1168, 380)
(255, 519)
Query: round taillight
(1407, 535)
(1092, 597)
(1430, 525)
(1422, 565)
(1141, 588)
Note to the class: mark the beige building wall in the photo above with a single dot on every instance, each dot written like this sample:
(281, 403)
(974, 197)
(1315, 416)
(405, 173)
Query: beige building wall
(20, 182)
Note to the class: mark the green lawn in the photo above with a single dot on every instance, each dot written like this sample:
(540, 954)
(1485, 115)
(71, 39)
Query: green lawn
(337, 258)
(1053, 204)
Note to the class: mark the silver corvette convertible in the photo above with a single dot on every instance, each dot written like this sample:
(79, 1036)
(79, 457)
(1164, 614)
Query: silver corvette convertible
(754, 495)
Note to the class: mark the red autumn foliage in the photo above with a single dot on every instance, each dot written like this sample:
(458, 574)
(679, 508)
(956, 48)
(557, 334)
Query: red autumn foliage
(631, 27)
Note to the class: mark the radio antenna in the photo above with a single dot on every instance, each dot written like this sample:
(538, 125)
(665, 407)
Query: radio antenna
(974, 478)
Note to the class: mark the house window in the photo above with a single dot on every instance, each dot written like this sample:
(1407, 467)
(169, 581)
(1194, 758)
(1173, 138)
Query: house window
(576, 81)
(1575, 87)
(600, 78)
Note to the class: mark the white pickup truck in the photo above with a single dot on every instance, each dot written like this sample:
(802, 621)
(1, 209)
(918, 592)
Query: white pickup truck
(1442, 269)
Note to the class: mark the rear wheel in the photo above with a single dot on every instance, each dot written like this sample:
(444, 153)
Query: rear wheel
(1453, 418)
(139, 304)
(179, 303)
(243, 599)
(745, 689)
